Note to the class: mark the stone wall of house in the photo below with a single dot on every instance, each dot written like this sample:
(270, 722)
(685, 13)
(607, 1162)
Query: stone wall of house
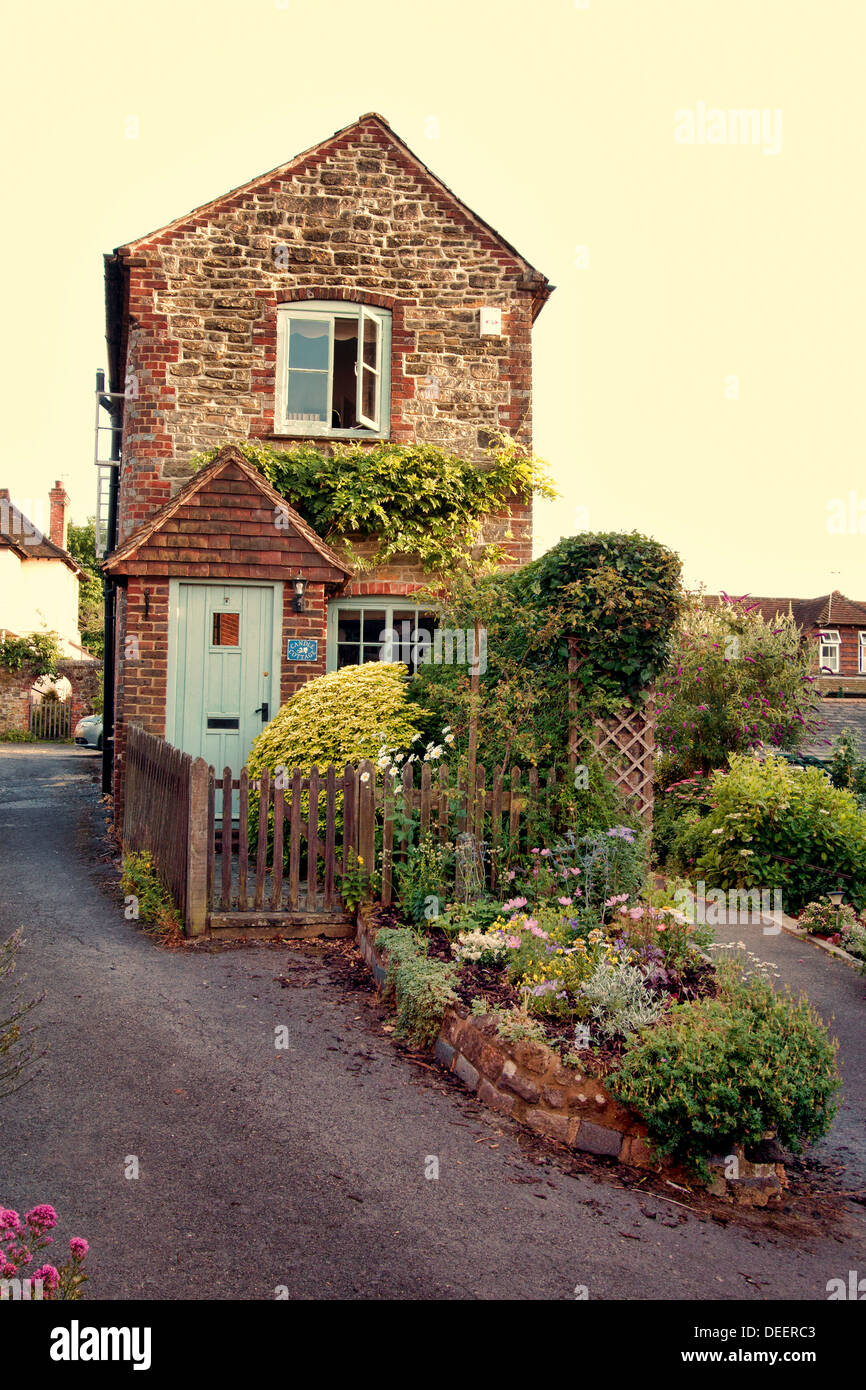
(355, 220)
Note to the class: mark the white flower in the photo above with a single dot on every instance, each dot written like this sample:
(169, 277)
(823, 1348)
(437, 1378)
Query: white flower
(436, 753)
(365, 776)
(383, 762)
(715, 832)
(449, 738)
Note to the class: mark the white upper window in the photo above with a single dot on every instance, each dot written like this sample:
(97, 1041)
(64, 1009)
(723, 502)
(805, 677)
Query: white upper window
(863, 653)
(829, 658)
(333, 370)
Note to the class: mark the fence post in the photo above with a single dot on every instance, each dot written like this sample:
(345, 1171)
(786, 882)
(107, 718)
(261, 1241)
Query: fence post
(197, 849)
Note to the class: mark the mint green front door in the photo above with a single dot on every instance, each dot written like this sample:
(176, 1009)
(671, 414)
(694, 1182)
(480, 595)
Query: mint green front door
(223, 670)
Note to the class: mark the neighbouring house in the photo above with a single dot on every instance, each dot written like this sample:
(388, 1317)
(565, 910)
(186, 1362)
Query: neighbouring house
(347, 295)
(38, 577)
(837, 627)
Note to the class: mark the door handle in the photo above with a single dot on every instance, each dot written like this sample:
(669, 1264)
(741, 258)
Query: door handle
(263, 711)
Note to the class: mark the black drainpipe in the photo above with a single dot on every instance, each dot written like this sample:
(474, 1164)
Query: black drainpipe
(109, 589)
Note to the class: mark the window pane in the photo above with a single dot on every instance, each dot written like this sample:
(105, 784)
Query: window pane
(349, 625)
(309, 343)
(308, 396)
(375, 625)
(369, 394)
(371, 337)
(226, 630)
(348, 655)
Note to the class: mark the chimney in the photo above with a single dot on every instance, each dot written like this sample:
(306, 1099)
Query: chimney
(57, 526)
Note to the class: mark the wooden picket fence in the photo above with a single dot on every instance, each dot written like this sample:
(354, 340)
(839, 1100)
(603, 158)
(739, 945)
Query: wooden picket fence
(51, 719)
(166, 812)
(312, 826)
(315, 821)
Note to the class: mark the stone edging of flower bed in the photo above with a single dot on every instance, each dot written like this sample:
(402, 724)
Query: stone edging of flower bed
(792, 927)
(528, 1082)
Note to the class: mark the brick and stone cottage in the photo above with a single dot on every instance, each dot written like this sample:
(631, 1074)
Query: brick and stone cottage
(347, 295)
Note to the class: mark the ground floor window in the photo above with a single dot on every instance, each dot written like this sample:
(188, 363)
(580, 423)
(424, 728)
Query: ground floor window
(379, 629)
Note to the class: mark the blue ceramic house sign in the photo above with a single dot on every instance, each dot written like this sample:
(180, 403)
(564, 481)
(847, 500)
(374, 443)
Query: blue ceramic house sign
(302, 649)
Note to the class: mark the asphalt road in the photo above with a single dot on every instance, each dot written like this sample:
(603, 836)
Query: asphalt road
(303, 1168)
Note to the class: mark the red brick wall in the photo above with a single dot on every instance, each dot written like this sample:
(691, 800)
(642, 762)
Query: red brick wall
(849, 650)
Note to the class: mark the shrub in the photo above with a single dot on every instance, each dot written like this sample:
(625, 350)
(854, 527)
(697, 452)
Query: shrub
(37, 654)
(735, 682)
(621, 594)
(421, 880)
(610, 862)
(421, 988)
(152, 900)
(339, 718)
(18, 736)
(618, 593)
(854, 940)
(343, 717)
(19, 1242)
(620, 998)
(847, 768)
(728, 1070)
(771, 824)
(823, 919)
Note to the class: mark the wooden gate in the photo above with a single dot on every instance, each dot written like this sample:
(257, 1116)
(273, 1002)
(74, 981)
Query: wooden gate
(51, 719)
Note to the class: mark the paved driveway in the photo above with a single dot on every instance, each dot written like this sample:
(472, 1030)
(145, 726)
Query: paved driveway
(838, 992)
(303, 1168)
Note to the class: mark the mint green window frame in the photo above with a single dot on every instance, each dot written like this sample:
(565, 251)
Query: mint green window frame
(376, 425)
(373, 602)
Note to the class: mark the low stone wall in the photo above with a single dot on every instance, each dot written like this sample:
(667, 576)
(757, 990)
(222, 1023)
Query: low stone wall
(528, 1082)
(16, 687)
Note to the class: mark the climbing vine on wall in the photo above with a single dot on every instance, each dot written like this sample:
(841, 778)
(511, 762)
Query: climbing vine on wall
(415, 499)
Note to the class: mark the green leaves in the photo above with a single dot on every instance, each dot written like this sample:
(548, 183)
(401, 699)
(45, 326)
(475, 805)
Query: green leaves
(727, 1070)
(415, 499)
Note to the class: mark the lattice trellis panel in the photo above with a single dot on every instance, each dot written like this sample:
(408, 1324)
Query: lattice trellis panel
(625, 744)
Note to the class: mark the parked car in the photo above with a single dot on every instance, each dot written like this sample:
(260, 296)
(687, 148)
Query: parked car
(88, 731)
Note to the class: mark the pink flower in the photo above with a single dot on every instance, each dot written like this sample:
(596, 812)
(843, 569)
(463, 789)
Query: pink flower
(7, 1270)
(513, 904)
(9, 1219)
(513, 942)
(566, 902)
(79, 1247)
(511, 875)
(48, 1274)
(635, 913)
(42, 1218)
(574, 871)
(661, 927)
(544, 853)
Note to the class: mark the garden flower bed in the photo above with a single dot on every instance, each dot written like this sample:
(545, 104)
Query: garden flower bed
(588, 1008)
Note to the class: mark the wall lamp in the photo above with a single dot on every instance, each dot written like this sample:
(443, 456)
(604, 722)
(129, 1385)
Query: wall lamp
(299, 585)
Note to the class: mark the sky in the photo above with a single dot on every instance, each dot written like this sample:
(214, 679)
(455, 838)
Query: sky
(699, 370)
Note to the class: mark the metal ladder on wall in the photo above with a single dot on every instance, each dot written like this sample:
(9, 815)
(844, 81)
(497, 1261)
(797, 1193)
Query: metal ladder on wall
(104, 466)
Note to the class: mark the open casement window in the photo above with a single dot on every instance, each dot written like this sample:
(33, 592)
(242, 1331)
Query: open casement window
(332, 370)
(829, 657)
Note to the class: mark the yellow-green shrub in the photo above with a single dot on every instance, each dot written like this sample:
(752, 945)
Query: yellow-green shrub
(340, 718)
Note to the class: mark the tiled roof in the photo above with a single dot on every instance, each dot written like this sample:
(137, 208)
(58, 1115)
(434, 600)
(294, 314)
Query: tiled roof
(19, 534)
(838, 715)
(826, 611)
